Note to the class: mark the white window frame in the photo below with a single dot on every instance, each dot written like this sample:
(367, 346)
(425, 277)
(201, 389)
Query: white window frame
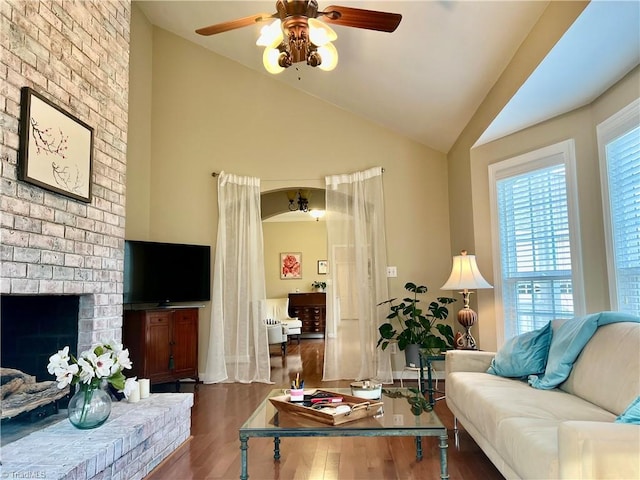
(613, 127)
(561, 152)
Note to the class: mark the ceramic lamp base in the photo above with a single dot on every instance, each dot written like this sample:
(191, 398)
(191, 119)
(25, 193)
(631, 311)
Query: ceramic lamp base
(467, 318)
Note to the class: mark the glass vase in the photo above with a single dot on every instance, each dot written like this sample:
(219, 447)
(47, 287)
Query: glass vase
(89, 407)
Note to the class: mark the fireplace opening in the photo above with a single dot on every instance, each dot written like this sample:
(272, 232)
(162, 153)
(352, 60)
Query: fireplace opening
(33, 328)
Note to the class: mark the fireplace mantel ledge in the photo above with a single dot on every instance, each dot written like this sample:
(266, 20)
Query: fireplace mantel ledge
(133, 441)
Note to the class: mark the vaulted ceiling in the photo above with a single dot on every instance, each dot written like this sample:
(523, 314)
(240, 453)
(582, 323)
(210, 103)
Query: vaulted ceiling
(426, 79)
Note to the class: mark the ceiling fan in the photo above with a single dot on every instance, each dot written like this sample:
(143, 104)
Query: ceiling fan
(296, 35)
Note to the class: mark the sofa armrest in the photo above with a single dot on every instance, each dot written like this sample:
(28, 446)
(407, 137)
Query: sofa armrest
(467, 361)
(598, 450)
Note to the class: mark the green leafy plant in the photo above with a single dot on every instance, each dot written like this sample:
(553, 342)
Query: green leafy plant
(409, 324)
(318, 284)
(414, 396)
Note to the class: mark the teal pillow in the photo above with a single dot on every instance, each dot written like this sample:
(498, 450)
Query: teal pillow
(523, 355)
(631, 414)
(567, 343)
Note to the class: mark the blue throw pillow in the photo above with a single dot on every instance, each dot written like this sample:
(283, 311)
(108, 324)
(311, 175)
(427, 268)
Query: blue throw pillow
(523, 355)
(631, 414)
(568, 341)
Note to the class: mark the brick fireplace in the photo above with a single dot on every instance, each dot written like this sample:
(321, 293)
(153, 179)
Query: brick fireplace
(76, 54)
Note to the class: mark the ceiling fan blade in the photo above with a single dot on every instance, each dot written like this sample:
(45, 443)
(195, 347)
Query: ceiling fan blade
(234, 24)
(360, 18)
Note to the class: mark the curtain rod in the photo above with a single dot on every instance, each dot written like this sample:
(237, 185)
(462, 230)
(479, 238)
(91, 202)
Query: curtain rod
(215, 174)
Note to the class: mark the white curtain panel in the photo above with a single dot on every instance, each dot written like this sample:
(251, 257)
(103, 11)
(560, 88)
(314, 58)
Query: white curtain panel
(238, 346)
(357, 282)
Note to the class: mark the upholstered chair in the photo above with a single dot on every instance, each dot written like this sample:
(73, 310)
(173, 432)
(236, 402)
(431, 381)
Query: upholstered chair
(278, 309)
(276, 334)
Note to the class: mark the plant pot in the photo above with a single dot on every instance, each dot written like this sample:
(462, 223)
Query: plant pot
(412, 355)
(89, 407)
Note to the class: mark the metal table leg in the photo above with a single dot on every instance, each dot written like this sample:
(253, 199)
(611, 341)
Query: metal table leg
(276, 448)
(444, 443)
(418, 448)
(430, 382)
(243, 456)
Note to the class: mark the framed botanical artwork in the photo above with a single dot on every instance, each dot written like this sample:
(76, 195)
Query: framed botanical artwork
(290, 265)
(322, 267)
(56, 148)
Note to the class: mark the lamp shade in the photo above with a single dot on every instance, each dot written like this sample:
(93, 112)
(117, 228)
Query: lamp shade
(270, 60)
(320, 33)
(465, 274)
(271, 35)
(329, 54)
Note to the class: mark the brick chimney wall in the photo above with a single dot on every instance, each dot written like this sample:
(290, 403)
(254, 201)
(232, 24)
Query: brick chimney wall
(76, 54)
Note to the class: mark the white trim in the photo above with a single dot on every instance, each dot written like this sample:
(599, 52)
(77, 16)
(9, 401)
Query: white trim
(561, 152)
(613, 127)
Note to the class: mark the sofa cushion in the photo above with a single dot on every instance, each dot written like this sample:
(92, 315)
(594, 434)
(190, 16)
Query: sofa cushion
(530, 446)
(606, 373)
(490, 400)
(523, 355)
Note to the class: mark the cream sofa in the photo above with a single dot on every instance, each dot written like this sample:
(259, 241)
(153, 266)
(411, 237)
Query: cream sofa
(566, 432)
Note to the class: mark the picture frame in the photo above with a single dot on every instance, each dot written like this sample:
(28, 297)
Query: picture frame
(290, 265)
(56, 148)
(323, 266)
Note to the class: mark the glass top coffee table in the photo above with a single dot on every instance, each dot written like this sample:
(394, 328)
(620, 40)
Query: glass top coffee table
(394, 420)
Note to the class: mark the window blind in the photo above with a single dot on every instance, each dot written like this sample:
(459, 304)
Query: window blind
(533, 218)
(623, 172)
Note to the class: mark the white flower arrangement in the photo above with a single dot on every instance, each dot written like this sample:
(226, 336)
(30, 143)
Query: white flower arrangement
(102, 362)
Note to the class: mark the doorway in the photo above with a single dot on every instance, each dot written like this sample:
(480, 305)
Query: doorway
(297, 232)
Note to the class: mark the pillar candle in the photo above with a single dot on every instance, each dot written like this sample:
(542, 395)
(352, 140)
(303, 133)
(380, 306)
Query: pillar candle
(134, 396)
(144, 387)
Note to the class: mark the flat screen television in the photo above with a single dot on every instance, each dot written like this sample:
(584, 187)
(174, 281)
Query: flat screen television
(164, 273)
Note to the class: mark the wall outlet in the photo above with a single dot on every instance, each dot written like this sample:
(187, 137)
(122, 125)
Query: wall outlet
(392, 272)
(393, 348)
(398, 419)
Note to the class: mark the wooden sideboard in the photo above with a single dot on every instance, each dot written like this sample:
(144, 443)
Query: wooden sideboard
(311, 309)
(162, 343)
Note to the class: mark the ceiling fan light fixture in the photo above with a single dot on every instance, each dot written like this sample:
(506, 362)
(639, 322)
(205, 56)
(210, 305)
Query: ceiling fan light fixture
(271, 35)
(271, 60)
(320, 33)
(296, 36)
(329, 55)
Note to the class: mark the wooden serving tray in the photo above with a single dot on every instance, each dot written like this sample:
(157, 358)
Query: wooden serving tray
(360, 408)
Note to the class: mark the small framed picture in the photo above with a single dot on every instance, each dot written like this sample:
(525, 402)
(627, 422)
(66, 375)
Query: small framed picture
(290, 265)
(56, 148)
(322, 267)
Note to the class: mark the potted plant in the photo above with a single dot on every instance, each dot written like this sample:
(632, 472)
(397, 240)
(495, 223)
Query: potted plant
(412, 328)
(319, 286)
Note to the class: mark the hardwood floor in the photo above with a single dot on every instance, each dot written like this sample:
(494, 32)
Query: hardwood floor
(220, 410)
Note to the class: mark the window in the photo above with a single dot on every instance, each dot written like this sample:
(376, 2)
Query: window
(534, 219)
(619, 146)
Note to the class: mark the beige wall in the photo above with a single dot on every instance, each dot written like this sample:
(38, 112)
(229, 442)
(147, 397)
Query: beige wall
(139, 145)
(309, 238)
(211, 114)
(553, 23)
(579, 125)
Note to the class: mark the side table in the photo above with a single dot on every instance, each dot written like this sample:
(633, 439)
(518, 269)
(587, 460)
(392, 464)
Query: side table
(426, 364)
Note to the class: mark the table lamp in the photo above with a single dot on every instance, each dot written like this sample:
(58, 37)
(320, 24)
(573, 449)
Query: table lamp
(465, 275)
